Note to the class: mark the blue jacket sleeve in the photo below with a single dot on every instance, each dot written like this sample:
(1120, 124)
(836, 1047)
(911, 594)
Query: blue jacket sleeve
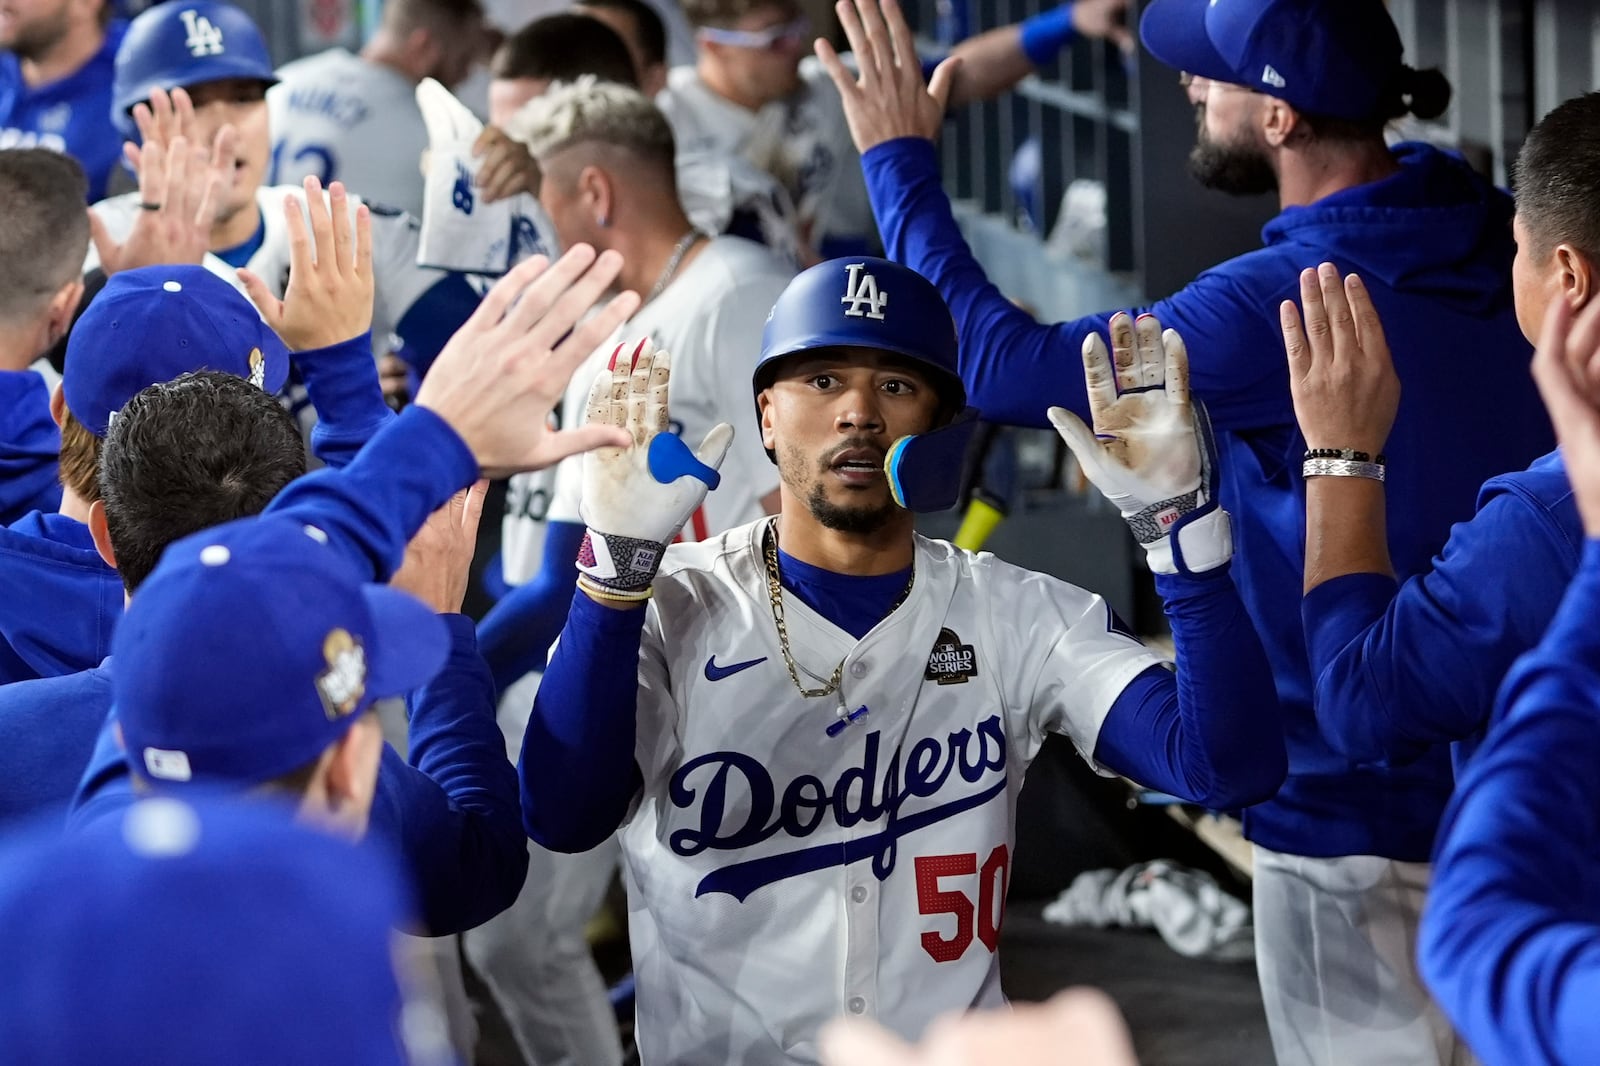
(29, 447)
(1211, 733)
(1015, 368)
(342, 383)
(370, 509)
(452, 811)
(517, 632)
(429, 323)
(106, 784)
(1397, 673)
(1510, 942)
(577, 767)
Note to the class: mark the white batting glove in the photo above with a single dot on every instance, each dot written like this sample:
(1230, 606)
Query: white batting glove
(636, 499)
(1150, 452)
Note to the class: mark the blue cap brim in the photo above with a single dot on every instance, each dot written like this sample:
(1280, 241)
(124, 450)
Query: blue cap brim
(1175, 33)
(412, 642)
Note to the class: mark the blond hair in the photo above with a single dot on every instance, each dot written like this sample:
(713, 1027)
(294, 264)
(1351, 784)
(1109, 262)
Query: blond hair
(597, 112)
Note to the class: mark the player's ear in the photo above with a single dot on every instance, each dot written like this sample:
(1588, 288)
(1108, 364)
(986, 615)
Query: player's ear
(101, 532)
(764, 407)
(350, 773)
(1577, 274)
(62, 306)
(58, 405)
(595, 193)
(1279, 122)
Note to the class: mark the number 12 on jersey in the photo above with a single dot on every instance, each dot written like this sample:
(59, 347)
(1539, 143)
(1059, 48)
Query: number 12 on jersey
(986, 915)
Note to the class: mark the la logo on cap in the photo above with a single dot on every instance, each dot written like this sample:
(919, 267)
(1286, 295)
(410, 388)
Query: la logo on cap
(861, 291)
(344, 682)
(204, 38)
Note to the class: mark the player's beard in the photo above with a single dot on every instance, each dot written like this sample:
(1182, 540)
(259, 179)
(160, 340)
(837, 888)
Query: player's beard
(35, 40)
(1239, 169)
(848, 519)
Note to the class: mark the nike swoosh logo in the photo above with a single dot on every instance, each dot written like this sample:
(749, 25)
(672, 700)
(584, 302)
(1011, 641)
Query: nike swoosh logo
(717, 673)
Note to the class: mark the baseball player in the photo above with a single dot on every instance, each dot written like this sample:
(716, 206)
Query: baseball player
(608, 162)
(1291, 96)
(1509, 940)
(55, 83)
(750, 95)
(820, 755)
(44, 234)
(212, 60)
(354, 117)
(273, 941)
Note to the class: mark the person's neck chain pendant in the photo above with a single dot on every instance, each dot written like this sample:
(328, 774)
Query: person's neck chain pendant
(831, 687)
(679, 250)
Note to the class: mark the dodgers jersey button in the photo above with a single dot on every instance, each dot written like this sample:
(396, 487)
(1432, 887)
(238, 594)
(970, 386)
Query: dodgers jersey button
(857, 1005)
(858, 669)
(859, 893)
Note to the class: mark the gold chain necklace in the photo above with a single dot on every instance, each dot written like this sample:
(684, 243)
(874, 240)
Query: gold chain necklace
(769, 548)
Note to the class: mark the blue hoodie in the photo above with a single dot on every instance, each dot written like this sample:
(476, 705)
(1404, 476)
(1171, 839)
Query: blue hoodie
(29, 446)
(1433, 243)
(1510, 942)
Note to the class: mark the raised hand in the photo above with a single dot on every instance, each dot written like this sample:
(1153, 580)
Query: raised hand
(1340, 375)
(888, 98)
(1566, 367)
(507, 167)
(438, 559)
(636, 498)
(329, 297)
(503, 372)
(179, 186)
(1150, 452)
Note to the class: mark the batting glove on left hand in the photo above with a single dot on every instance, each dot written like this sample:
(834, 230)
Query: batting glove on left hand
(636, 499)
(1150, 452)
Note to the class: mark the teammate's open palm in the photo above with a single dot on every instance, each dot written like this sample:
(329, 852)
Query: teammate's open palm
(438, 560)
(887, 98)
(329, 296)
(1566, 367)
(1150, 451)
(637, 497)
(179, 186)
(503, 372)
(1340, 374)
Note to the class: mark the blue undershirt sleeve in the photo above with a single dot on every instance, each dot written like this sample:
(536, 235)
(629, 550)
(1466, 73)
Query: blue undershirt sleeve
(517, 632)
(1211, 732)
(1510, 942)
(29, 447)
(453, 810)
(577, 768)
(372, 508)
(1016, 368)
(342, 383)
(1398, 672)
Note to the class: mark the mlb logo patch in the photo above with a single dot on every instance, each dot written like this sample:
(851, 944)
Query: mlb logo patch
(167, 765)
(951, 662)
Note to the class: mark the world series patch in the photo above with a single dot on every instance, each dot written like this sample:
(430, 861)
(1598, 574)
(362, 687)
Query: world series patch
(952, 662)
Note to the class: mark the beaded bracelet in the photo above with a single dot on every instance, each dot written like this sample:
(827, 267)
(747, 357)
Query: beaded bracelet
(1347, 454)
(1341, 468)
(602, 592)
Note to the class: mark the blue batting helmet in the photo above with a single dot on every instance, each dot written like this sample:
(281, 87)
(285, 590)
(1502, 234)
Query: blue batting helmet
(864, 302)
(174, 45)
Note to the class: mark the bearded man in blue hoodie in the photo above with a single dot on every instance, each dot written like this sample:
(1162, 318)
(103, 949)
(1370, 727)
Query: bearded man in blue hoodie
(1291, 95)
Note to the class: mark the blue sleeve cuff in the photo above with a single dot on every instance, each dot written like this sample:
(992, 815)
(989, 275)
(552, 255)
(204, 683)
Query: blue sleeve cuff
(342, 383)
(901, 151)
(1046, 34)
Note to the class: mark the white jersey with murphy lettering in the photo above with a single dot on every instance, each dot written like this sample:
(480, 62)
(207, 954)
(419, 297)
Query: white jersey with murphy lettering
(790, 860)
(340, 117)
(710, 319)
(802, 141)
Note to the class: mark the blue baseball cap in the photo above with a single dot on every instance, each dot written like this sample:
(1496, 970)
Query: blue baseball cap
(252, 647)
(151, 324)
(1325, 57)
(200, 931)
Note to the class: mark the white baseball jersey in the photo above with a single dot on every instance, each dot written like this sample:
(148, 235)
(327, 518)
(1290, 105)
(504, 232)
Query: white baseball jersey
(802, 141)
(338, 116)
(790, 860)
(710, 319)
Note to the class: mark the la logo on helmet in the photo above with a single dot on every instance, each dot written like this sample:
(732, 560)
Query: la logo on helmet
(861, 291)
(204, 39)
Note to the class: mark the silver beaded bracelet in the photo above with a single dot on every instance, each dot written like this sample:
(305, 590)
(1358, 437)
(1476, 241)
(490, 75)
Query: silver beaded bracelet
(1341, 468)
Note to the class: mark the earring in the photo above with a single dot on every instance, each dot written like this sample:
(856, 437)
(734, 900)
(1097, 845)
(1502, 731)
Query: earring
(603, 221)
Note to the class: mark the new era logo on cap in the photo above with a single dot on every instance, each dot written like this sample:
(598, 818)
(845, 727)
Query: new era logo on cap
(1273, 78)
(167, 765)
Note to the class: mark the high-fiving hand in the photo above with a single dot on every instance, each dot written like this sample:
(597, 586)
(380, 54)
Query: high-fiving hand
(1566, 367)
(1340, 375)
(888, 98)
(1150, 452)
(636, 498)
(503, 372)
(329, 297)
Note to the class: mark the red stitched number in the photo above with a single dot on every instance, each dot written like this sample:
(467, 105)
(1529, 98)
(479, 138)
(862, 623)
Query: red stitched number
(990, 909)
